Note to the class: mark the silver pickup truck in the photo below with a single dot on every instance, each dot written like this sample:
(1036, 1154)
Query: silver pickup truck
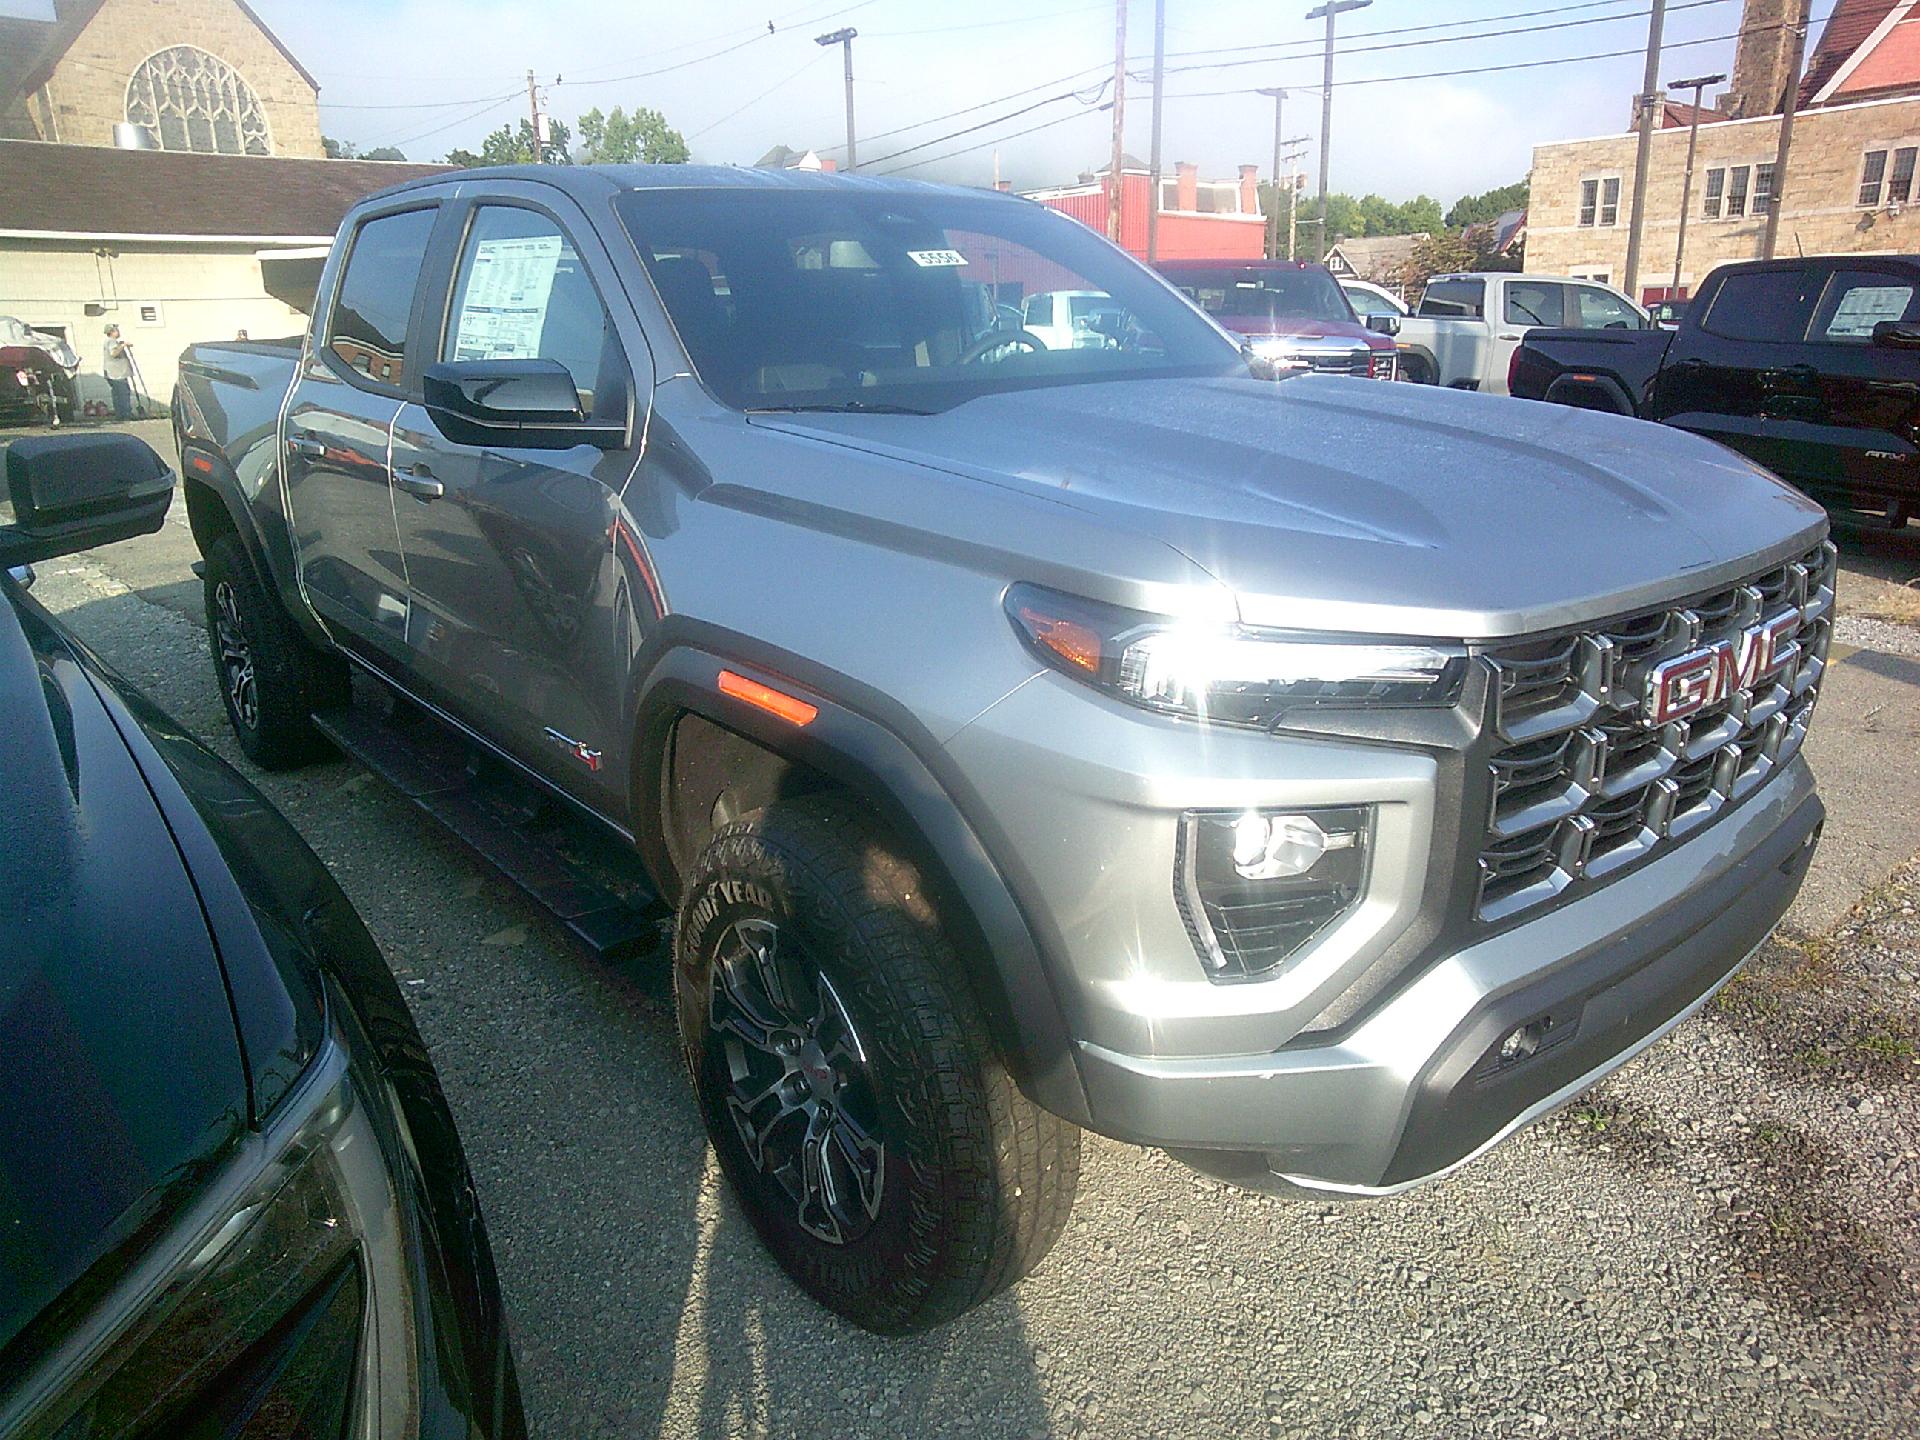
(1318, 780)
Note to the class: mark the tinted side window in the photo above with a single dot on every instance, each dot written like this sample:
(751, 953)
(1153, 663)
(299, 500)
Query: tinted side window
(1529, 302)
(523, 294)
(1458, 298)
(1763, 305)
(368, 326)
(1856, 301)
(1603, 310)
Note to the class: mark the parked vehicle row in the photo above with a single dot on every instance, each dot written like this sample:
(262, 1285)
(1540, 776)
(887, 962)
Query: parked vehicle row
(1810, 367)
(1026, 738)
(1465, 329)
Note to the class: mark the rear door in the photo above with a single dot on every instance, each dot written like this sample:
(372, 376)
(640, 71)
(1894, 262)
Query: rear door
(1869, 395)
(1524, 305)
(522, 623)
(1459, 338)
(1737, 371)
(353, 381)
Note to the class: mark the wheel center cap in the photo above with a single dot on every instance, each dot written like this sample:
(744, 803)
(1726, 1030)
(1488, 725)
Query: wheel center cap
(812, 1064)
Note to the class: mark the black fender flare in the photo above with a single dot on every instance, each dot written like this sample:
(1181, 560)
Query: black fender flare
(1564, 388)
(873, 758)
(203, 465)
(1425, 357)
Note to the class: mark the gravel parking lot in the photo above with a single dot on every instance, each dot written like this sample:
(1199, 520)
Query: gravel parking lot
(1721, 1240)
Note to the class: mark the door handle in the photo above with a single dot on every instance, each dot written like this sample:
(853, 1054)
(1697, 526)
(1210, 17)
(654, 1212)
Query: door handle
(418, 481)
(306, 446)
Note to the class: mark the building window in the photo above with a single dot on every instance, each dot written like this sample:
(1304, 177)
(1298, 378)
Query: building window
(1737, 190)
(1600, 201)
(1900, 186)
(1762, 188)
(1872, 173)
(186, 99)
(1716, 188)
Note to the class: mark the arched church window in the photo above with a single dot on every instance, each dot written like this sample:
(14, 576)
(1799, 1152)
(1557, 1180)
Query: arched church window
(187, 99)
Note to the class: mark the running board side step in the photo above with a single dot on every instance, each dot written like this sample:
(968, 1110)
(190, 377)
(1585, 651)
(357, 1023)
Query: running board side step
(586, 879)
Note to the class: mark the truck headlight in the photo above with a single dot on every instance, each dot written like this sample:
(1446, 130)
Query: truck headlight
(1232, 675)
(1256, 887)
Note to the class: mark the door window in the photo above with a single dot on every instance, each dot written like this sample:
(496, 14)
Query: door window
(1531, 302)
(1763, 305)
(368, 327)
(523, 293)
(1040, 310)
(1604, 310)
(1856, 301)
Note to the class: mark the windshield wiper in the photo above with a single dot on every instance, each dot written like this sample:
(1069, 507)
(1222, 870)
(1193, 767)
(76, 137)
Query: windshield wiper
(840, 407)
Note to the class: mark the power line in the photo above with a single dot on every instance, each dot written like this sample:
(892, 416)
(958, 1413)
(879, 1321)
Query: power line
(983, 124)
(981, 105)
(490, 105)
(748, 105)
(1001, 139)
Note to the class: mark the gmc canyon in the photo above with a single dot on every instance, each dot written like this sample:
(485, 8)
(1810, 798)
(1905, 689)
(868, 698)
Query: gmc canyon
(1809, 366)
(1318, 780)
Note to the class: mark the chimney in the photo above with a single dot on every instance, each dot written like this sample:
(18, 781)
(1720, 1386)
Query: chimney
(829, 164)
(1762, 61)
(1003, 186)
(1249, 189)
(1186, 187)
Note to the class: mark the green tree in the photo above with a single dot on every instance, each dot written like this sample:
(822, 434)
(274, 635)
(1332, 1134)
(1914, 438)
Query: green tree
(1438, 254)
(1422, 213)
(644, 137)
(1489, 205)
(510, 146)
(382, 152)
(339, 149)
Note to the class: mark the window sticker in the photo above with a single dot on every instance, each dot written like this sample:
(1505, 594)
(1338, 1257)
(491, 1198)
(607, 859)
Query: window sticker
(504, 308)
(935, 258)
(1865, 306)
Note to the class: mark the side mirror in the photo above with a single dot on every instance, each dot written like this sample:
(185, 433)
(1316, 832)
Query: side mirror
(1897, 335)
(531, 403)
(1384, 324)
(73, 492)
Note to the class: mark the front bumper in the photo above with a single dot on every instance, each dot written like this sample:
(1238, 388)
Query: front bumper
(1412, 1090)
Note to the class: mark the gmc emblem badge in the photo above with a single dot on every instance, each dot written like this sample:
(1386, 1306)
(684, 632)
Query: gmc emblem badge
(1688, 684)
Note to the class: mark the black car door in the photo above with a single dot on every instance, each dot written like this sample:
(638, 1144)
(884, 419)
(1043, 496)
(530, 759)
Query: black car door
(1739, 375)
(1869, 405)
(522, 622)
(352, 382)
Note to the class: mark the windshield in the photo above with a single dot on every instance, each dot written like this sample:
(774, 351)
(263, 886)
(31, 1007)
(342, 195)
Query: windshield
(843, 299)
(1265, 294)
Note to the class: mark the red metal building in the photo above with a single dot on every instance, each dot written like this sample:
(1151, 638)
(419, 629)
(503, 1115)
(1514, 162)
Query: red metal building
(1199, 219)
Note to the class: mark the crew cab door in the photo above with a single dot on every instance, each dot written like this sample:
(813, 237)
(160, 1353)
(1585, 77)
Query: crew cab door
(1524, 305)
(352, 382)
(1868, 405)
(522, 621)
(1738, 371)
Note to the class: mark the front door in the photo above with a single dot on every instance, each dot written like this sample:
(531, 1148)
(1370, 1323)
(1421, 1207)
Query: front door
(351, 385)
(519, 623)
(1868, 404)
(1527, 305)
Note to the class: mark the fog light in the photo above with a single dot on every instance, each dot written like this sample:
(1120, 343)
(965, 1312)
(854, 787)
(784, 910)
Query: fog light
(1266, 847)
(1520, 1044)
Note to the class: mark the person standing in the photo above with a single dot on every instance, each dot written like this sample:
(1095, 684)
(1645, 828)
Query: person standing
(118, 367)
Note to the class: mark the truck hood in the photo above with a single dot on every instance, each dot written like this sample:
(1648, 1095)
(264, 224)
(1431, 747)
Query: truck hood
(1350, 505)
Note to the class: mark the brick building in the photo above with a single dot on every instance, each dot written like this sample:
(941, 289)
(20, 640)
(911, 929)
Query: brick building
(1199, 219)
(1852, 171)
(202, 75)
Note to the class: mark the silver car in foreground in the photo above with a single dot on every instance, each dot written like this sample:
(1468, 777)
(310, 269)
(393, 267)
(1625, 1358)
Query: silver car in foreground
(1318, 780)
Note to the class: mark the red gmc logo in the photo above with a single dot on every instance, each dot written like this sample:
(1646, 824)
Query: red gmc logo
(1689, 683)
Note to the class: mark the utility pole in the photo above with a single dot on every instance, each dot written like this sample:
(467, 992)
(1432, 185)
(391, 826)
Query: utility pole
(1119, 119)
(1293, 198)
(533, 110)
(1279, 108)
(1697, 84)
(1648, 102)
(1327, 12)
(1153, 155)
(1790, 103)
(844, 39)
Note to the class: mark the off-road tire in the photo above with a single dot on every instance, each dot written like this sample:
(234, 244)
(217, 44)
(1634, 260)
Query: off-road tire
(978, 1181)
(289, 678)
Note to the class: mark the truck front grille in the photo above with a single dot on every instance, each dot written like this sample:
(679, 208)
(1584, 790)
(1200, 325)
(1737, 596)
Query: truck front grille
(1585, 784)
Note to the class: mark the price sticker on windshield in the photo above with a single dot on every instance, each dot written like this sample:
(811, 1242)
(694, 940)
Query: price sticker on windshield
(936, 257)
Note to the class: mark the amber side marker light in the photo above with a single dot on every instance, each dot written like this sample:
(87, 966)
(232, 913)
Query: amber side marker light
(202, 464)
(1077, 644)
(789, 708)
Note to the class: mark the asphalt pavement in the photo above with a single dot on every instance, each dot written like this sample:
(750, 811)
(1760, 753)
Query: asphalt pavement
(1720, 1240)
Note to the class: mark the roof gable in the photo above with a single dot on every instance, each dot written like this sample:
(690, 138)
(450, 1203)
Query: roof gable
(1855, 32)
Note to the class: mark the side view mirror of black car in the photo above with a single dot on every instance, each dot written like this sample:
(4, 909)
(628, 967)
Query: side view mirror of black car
(1384, 324)
(1897, 334)
(73, 492)
(531, 403)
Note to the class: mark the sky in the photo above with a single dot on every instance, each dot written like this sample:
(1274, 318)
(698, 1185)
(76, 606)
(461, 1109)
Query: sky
(739, 76)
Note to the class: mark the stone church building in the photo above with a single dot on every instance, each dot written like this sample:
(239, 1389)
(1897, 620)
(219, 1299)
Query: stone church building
(162, 169)
(1851, 175)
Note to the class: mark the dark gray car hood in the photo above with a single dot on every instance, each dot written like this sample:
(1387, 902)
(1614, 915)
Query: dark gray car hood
(1338, 504)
